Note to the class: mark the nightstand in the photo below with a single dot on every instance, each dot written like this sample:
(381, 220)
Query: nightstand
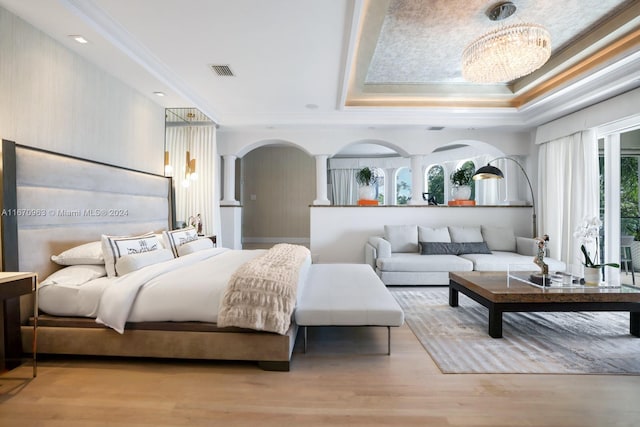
(13, 285)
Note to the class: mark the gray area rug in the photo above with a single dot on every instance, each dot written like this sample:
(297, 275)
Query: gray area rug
(549, 343)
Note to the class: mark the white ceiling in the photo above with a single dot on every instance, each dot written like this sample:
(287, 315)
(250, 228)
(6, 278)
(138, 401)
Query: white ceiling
(301, 62)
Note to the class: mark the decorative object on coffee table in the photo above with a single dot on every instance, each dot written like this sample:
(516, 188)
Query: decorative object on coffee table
(539, 278)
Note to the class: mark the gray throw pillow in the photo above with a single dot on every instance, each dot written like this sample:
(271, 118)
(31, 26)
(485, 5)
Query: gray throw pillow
(473, 248)
(455, 248)
(438, 248)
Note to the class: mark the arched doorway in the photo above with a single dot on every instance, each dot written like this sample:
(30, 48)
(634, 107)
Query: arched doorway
(277, 185)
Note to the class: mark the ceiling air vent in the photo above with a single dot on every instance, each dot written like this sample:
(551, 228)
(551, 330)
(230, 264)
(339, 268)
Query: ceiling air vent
(222, 70)
(435, 128)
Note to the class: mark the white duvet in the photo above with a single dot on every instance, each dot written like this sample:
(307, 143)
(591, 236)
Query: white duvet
(187, 288)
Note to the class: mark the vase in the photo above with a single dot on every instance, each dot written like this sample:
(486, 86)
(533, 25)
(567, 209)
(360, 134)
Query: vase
(591, 276)
(461, 192)
(367, 192)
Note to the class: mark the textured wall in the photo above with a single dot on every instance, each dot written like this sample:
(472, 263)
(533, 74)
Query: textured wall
(283, 182)
(53, 99)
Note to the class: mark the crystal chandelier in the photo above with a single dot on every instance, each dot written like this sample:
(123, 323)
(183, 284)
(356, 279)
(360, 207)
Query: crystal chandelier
(506, 53)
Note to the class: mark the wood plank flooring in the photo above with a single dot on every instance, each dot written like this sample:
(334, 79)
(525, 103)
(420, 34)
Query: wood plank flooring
(345, 379)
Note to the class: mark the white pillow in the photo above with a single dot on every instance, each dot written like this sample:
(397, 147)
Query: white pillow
(499, 238)
(160, 240)
(175, 238)
(194, 246)
(428, 234)
(75, 275)
(128, 263)
(461, 234)
(89, 253)
(403, 238)
(114, 247)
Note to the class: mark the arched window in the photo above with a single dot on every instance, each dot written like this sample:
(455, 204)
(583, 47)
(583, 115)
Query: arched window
(403, 186)
(434, 183)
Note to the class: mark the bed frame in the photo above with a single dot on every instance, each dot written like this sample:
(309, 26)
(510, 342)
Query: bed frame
(52, 202)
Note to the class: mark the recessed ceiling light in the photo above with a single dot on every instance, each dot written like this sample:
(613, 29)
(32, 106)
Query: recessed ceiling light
(159, 93)
(311, 106)
(79, 38)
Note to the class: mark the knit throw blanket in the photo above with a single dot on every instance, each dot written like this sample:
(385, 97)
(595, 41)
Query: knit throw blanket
(261, 294)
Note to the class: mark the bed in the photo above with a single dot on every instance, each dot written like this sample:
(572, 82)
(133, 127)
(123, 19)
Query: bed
(54, 202)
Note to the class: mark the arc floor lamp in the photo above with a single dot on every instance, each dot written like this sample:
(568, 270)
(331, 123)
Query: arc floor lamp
(492, 172)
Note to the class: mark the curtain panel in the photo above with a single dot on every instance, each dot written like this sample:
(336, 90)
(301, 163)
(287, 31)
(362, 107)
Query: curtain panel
(344, 188)
(568, 191)
(202, 195)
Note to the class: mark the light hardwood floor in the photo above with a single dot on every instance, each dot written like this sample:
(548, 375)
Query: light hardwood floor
(344, 379)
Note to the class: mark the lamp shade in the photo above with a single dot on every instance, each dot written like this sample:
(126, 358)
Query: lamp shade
(488, 172)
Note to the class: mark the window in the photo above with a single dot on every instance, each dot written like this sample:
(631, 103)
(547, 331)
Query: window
(434, 183)
(403, 186)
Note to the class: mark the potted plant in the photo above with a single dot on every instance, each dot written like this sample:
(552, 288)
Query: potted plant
(366, 178)
(588, 233)
(461, 180)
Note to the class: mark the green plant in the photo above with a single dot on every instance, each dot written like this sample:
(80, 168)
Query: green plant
(462, 176)
(589, 263)
(633, 228)
(366, 176)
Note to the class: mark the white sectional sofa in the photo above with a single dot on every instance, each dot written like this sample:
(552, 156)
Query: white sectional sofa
(417, 255)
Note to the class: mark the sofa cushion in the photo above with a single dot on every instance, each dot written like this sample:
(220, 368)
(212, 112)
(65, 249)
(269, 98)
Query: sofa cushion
(503, 261)
(429, 234)
(465, 233)
(403, 238)
(417, 262)
(499, 238)
(457, 248)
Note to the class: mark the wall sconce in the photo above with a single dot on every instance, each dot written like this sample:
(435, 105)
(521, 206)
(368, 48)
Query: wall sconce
(168, 169)
(192, 170)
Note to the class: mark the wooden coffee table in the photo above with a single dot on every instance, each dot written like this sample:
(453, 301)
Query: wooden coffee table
(499, 295)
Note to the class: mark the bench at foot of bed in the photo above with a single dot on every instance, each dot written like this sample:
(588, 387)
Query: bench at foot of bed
(347, 295)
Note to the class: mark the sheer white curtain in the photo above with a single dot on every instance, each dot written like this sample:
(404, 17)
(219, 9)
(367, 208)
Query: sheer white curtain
(344, 188)
(568, 190)
(202, 195)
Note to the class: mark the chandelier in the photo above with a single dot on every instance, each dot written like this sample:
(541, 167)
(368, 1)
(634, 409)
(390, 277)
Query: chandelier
(508, 52)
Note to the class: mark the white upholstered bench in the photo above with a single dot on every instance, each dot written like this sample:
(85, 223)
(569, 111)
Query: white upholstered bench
(346, 295)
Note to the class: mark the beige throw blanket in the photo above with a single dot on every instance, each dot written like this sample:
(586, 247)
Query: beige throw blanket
(261, 294)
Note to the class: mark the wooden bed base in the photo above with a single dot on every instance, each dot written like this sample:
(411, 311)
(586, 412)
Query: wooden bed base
(31, 177)
(180, 340)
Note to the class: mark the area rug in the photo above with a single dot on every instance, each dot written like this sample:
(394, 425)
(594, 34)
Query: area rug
(549, 343)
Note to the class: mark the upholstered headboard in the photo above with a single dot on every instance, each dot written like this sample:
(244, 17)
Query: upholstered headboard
(52, 202)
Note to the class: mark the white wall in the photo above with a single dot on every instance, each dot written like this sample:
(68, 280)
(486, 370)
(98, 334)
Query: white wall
(53, 99)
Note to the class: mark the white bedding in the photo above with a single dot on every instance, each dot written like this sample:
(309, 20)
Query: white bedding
(188, 288)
